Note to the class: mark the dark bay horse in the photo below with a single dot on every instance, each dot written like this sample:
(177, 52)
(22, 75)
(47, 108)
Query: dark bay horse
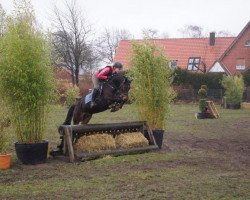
(112, 95)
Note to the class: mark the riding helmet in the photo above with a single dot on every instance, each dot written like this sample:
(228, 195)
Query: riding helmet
(117, 65)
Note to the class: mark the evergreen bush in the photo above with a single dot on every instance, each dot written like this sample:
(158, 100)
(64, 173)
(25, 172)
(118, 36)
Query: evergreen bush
(234, 88)
(203, 101)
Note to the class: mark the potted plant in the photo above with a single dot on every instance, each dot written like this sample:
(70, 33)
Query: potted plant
(202, 93)
(27, 83)
(5, 158)
(151, 89)
(234, 88)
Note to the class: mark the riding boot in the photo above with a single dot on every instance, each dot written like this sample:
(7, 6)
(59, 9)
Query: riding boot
(94, 95)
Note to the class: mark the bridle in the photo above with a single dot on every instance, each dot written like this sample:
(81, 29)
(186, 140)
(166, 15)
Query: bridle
(115, 89)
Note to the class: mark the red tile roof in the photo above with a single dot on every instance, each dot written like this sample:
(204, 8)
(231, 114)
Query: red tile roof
(180, 49)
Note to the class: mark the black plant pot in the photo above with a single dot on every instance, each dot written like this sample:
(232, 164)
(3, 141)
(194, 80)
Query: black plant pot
(233, 105)
(158, 135)
(201, 115)
(32, 154)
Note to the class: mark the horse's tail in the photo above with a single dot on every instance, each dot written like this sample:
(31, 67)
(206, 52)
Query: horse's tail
(69, 115)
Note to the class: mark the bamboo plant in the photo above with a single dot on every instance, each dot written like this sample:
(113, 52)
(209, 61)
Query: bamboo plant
(4, 122)
(26, 75)
(3, 139)
(151, 89)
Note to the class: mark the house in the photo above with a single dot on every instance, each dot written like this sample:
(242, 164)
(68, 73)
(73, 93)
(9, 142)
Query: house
(64, 81)
(212, 54)
(62, 73)
(236, 58)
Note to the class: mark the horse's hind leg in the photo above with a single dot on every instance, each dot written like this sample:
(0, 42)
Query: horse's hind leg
(86, 118)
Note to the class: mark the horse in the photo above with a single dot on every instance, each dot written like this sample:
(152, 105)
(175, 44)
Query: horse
(113, 93)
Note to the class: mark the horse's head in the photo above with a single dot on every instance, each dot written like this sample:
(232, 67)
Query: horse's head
(121, 86)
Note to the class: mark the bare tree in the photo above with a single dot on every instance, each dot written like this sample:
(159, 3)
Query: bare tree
(164, 35)
(71, 40)
(224, 33)
(192, 31)
(109, 41)
(150, 33)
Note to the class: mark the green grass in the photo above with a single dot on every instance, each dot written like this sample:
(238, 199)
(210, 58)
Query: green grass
(200, 159)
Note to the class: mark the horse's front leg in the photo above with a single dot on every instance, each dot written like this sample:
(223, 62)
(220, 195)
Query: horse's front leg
(86, 117)
(117, 106)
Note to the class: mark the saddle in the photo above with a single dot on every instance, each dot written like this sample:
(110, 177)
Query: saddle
(88, 97)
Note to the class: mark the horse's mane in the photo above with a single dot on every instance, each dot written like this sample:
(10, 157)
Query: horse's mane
(118, 79)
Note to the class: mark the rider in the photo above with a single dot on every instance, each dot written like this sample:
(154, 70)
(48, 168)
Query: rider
(102, 75)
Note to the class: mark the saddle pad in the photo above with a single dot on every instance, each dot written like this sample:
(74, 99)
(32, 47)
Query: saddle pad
(88, 97)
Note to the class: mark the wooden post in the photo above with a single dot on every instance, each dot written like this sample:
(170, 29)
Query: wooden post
(68, 137)
(150, 134)
(65, 150)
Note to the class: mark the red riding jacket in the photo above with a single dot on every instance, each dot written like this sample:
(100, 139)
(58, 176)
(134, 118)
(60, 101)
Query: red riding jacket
(104, 73)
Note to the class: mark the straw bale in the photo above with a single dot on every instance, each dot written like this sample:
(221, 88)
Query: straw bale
(130, 140)
(95, 143)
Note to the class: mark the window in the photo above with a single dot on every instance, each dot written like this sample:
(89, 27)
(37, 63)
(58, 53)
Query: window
(247, 43)
(193, 63)
(173, 64)
(240, 64)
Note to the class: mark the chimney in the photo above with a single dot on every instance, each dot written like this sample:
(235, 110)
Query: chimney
(212, 39)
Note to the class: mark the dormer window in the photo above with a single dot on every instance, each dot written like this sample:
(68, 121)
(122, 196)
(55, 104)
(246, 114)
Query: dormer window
(247, 43)
(193, 63)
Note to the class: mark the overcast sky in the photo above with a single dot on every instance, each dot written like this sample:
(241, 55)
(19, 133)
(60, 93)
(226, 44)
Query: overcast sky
(164, 15)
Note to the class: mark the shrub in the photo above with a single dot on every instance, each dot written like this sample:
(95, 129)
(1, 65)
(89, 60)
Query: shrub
(71, 95)
(151, 85)
(26, 75)
(202, 92)
(203, 101)
(204, 87)
(234, 86)
(203, 105)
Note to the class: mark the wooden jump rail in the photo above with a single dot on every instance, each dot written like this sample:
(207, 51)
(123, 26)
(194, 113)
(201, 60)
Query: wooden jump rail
(71, 133)
(214, 112)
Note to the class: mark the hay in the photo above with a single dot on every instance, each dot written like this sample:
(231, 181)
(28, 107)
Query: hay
(130, 140)
(95, 143)
(100, 142)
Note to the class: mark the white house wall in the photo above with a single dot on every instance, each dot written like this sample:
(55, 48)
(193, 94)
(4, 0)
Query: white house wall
(217, 68)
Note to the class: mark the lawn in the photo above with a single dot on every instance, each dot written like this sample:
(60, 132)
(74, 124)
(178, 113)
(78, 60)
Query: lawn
(200, 159)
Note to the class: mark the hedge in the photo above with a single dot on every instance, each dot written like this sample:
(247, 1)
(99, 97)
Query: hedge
(184, 77)
(246, 77)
